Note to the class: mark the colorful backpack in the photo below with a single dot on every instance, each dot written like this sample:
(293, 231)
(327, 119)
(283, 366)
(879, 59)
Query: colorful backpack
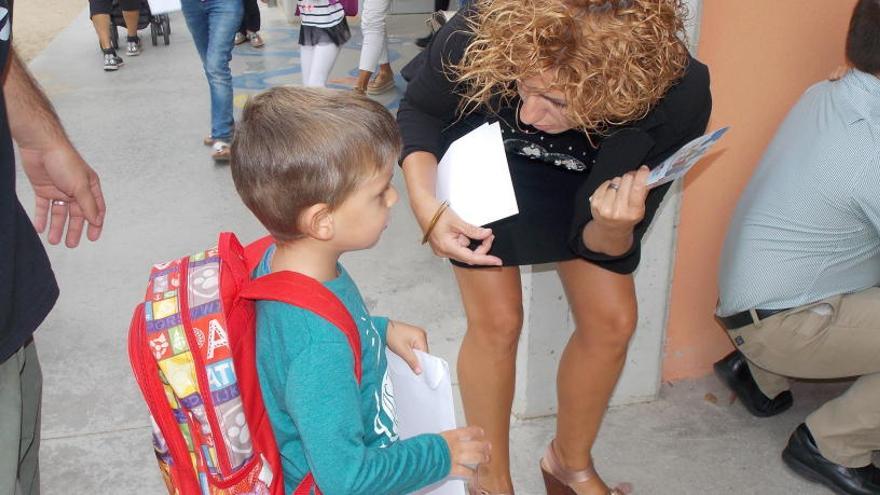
(192, 349)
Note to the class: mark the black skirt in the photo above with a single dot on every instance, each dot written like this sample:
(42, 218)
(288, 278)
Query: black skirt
(546, 170)
(338, 34)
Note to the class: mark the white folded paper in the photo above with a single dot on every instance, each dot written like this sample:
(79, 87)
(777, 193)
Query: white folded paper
(423, 404)
(474, 177)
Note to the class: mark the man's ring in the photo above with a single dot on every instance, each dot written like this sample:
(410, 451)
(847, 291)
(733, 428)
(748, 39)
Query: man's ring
(58, 202)
(613, 186)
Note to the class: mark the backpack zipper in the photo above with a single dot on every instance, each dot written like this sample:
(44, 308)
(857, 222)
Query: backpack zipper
(208, 401)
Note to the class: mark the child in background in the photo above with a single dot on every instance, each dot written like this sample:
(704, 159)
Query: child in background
(315, 167)
(323, 32)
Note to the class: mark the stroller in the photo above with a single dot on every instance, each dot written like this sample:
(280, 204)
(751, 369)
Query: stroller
(160, 25)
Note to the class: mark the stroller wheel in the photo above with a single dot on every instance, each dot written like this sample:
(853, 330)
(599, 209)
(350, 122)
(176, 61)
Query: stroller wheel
(114, 35)
(154, 34)
(166, 29)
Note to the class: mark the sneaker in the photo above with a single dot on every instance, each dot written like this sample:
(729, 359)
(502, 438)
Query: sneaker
(134, 46)
(255, 39)
(240, 38)
(220, 151)
(111, 60)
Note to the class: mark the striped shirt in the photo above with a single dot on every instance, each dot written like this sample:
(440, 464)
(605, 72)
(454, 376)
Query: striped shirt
(806, 227)
(320, 13)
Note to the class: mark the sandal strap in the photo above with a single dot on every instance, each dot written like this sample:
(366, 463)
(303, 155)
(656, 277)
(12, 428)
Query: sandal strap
(564, 475)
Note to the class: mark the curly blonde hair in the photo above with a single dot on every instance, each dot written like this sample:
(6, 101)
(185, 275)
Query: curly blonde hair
(612, 59)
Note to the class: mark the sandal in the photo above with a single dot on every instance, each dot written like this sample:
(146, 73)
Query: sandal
(382, 83)
(558, 480)
(474, 488)
(220, 151)
(208, 141)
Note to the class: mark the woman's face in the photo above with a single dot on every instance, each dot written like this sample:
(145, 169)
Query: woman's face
(542, 108)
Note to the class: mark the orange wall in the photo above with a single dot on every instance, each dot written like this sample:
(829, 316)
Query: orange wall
(762, 55)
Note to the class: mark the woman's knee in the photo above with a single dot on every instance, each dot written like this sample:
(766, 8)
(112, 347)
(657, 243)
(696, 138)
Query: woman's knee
(497, 329)
(611, 329)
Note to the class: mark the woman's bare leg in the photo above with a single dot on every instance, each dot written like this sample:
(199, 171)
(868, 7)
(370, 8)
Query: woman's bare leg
(605, 313)
(492, 300)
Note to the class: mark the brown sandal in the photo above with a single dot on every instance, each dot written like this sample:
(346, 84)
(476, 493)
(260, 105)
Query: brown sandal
(558, 479)
(474, 488)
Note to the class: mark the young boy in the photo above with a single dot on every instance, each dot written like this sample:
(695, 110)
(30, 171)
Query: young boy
(315, 167)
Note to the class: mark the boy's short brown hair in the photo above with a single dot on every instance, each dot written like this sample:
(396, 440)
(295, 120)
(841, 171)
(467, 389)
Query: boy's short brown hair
(297, 147)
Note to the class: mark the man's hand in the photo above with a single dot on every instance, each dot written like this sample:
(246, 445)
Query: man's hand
(66, 188)
(67, 192)
(403, 339)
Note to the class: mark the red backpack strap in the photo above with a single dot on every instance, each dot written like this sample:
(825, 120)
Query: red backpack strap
(307, 293)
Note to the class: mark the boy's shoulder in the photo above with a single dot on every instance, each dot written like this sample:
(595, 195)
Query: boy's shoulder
(295, 327)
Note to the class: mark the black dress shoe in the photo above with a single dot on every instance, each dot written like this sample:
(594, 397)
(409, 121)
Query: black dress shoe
(424, 41)
(803, 457)
(733, 370)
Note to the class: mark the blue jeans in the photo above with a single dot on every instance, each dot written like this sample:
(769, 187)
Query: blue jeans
(213, 24)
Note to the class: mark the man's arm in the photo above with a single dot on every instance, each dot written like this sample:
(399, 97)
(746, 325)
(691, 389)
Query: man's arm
(67, 190)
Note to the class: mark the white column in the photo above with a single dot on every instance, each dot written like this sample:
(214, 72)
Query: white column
(548, 322)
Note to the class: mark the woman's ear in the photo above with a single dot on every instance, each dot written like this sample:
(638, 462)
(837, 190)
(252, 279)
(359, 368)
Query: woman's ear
(317, 222)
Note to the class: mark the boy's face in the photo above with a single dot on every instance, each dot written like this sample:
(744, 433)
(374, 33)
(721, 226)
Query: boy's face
(359, 221)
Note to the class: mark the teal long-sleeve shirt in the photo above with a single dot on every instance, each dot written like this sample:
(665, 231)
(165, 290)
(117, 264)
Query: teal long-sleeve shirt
(323, 421)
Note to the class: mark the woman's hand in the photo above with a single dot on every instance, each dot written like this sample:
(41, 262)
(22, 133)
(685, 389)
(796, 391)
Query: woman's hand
(451, 236)
(618, 205)
(404, 339)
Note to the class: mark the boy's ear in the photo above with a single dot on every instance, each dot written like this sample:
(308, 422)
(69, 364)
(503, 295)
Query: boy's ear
(317, 222)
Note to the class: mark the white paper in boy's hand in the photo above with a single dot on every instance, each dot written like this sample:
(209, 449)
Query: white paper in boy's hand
(679, 163)
(423, 404)
(474, 177)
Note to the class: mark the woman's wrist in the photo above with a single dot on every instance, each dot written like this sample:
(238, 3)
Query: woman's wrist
(424, 205)
(613, 241)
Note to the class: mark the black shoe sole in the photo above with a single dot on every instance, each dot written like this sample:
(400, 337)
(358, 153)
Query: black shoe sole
(726, 376)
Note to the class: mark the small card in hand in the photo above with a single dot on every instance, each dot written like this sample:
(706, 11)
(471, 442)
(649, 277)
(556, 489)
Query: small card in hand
(679, 163)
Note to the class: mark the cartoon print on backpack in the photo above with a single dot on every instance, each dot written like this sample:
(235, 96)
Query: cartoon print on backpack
(235, 432)
(204, 284)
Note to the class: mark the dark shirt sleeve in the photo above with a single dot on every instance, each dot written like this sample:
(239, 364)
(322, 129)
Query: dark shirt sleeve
(431, 98)
(681, 116)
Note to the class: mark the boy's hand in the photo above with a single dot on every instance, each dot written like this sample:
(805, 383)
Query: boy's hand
(468, 448)
(403, 338)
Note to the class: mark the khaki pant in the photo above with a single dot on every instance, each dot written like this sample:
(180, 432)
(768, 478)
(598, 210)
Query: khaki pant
(834, 338)
(21, 387)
